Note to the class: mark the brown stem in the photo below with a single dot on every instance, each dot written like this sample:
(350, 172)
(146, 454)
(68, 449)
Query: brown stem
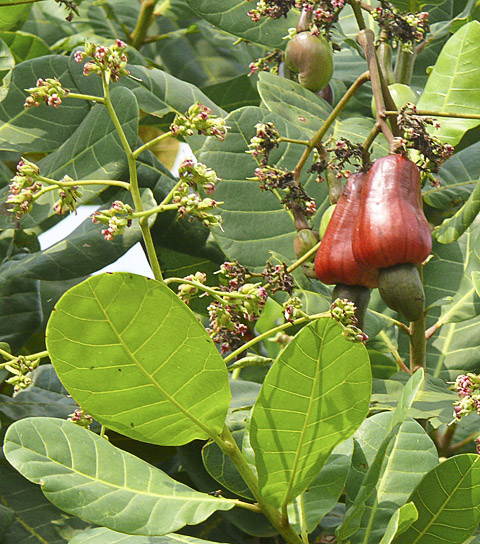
(432, 330)
(432, 113)
(462, 443)
(443, 440)
(366, 38)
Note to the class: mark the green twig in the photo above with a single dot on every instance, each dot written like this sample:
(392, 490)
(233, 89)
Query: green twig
(394, 351)
(268, 333)
(145, 19)
(303, 520)
(89, 97)
(357, 11)
(304, 258)
(7, 355)
(228, 445)
(432, 113)
(317, 138)
(293, 141)
(217, 295)
(150, 144)
(134, 187)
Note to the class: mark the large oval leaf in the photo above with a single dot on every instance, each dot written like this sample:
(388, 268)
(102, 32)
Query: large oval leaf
(453, 83)
(135, 357)
(101, 535)
(314, 397)
(447, 501)
(400, 473)
(231, 15)
(83, 474)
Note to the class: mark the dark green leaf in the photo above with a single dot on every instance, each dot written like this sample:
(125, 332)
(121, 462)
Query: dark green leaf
(101, 535)
(20, 309)
(25, 46)
(36, 521)
(44, 128)
(453, 227)
(231, 15)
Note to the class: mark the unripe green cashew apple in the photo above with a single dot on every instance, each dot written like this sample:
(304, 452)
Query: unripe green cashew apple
(310, 57)
(401, 94)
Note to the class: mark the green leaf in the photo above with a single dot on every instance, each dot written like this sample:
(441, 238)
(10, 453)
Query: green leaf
(6, 518)
(400, 522)
(41, 129)
(25, 46)
(101, 535)
(453, 227)
(94, 151)
(412, 6)
(231, 15)
(12, 17)
(308, 112)
(453, 350)
(36, 521)
(458, 178)
(449, 274)
(355, 512)
(296, 105)
(447, 502)
(44, 397)
(323, 493)
(314, 397)
(20, 309)
(7, 63)
(453, 83)
(220, 467)
(135, 357)
(400, 473)
(82, 252)
(233, 94)
(255, 222)
(159, 93)
(434, 402)
(83, 474)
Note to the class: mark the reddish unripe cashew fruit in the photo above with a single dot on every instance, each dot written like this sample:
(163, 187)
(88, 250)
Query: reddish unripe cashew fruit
(392, 234)
(335, 262)
(391, 227)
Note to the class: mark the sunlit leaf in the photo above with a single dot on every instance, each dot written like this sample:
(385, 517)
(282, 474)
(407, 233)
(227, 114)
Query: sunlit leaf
(136, 358)
(314, 397)
(83, 474)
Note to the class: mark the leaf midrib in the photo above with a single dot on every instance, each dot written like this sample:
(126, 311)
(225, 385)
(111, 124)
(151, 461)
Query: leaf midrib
(149, 378)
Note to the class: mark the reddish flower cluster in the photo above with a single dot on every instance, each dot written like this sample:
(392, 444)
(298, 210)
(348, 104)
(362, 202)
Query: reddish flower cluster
(111, 61)
(48, 90)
